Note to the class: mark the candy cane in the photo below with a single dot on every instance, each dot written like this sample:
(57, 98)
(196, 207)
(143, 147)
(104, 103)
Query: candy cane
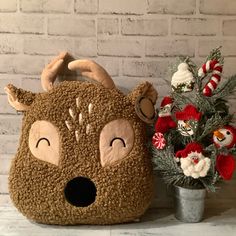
(216, 69)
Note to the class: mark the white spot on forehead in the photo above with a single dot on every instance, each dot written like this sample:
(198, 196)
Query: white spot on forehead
(77, 101)
(90, 107)
(77, 135)
(88, 128)
(68, 125)
(72, 114)
(80, 118)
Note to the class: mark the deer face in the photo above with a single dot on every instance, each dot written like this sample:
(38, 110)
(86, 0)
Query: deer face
(82, 157)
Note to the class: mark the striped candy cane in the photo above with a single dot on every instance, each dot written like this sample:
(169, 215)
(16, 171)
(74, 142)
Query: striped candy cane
(216, 69)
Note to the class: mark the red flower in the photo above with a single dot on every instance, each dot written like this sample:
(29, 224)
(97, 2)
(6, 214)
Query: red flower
(225, 165)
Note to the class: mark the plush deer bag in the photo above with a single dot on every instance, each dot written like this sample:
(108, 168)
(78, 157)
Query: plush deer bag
(82, 157)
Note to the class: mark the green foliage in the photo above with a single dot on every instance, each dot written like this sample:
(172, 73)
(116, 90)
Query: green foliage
(215, 54)
(209, 125)
(215, 114)
(227, 88)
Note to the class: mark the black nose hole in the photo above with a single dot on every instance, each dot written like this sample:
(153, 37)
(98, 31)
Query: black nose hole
(80, 192)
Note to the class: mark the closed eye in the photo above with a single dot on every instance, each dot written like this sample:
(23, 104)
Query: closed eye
(121, 139)
(37, 144)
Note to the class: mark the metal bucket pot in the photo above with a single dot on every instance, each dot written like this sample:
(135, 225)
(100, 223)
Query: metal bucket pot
(189, 204)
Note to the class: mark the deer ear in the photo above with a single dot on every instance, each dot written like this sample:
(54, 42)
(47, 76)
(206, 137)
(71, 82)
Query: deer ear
(18, 98)
(144, 99)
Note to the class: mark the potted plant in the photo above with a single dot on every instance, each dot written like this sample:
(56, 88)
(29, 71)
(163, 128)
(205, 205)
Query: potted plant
(193, 145)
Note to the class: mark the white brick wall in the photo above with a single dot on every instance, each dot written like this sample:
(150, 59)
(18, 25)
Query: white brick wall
(134, 40)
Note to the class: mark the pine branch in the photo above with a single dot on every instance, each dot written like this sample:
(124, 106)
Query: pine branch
(213, 123)
(192, 66)
(227, 88)
(180, 100)
(204, 104)
(215, 54)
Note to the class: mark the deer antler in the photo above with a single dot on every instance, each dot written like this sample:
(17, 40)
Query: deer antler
(93, 71)
(49, 73)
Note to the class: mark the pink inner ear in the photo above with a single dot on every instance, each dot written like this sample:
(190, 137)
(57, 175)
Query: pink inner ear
(116, 141)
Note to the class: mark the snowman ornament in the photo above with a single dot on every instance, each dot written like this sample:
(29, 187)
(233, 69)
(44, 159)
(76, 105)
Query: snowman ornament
(187, 120)
(225, 137)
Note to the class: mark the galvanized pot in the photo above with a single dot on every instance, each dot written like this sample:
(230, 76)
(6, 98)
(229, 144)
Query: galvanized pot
(189, 204)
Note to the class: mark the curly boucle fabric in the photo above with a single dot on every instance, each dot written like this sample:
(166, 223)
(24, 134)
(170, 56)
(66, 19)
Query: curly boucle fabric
(123, 190)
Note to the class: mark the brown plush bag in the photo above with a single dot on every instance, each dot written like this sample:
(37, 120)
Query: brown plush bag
(82, 156)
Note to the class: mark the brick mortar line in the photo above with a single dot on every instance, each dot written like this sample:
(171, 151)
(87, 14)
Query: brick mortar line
(18, 5)
(197, 7)
(111, 15)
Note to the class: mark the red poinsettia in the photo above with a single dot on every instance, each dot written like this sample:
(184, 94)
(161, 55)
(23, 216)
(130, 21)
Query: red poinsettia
(225, 165)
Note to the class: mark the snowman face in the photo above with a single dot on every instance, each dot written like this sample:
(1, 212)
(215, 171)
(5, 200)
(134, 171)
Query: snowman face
(185, 128)
(223, 137)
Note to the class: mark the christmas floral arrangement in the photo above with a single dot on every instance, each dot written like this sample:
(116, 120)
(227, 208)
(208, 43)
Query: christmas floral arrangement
(194, 141)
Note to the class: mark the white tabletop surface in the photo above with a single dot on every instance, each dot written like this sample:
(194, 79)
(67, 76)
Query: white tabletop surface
(220, 222)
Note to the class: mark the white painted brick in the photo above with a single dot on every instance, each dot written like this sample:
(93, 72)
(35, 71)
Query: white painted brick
(108, 26)
(31, 6)
(111, 65)
(218, 7)
(153, 27)
(4, 166)
(10, 44)
(3, 184)
(120, 47)
(86, 6)
(141, 68)
(32, 84)
(48, 46)
(228, 49)
(10, 124)
(71, 26)
(21, 24)
(170, 47)
(5, 107)
(8, 5)
(47, 6)
(9, 79)
(194, 26)
(229, 27)
(127, 84)
(86, 47)
(18, 64)
(183, 7)
(122, 6)
(8, 144)
(229, 66)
